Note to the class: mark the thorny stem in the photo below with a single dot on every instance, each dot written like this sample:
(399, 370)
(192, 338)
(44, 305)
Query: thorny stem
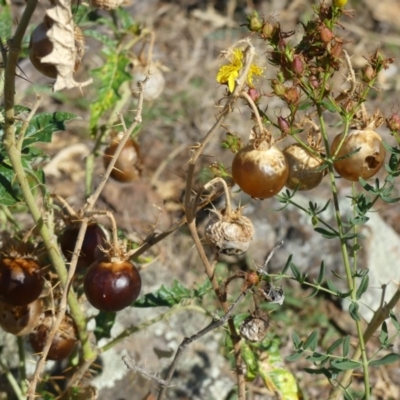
(210, 327)
(49, 241)
(190, 216)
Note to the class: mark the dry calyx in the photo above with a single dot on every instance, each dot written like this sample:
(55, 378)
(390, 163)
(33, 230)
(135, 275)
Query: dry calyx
(41, 46)
(229, 231)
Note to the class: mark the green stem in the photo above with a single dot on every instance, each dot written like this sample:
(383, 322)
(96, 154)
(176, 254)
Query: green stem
(22, 370)
(12, 381)
(345, 256)
(14, 154)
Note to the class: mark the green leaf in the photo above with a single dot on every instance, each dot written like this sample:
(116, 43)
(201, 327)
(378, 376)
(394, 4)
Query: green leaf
(344, 365)
(321, 274)
(110, 77)
(362, 288)
(304, 105)
(126, 22)
(317, 357)
(287, 265)
(250, 359)
(295, 356)
(325, 233)
(104, 323)
(353, 311)
(104, 39)
(42, 126)
(388, 359)
(312, 341)
(5, 23)
(329, 106)
(296, 340)
(331, 286)
(8, 195)
(165, 297)
(394, 320)
(346, 346)
(334, 346)
(384, 335)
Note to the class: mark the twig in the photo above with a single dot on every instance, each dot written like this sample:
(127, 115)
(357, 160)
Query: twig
(210, 327)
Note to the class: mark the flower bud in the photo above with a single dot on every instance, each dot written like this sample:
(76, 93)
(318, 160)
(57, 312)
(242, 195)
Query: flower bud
(297, 65)
(292, 95)
(393, 123)
(268, 30)
(313, 80)
(254, 94)
(278, 88)
(283, 125)
(325, 33)
(255, 24)
(336, 50)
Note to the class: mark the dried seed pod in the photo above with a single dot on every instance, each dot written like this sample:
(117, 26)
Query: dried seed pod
(41, 46)
(106, 4)
(254, 327)
(64, 341)
(128, 166)
(367, 154)
(303, 168)
(230, 233)
(20, 320)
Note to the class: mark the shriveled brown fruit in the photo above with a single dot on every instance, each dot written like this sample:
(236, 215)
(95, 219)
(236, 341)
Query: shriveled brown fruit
(20, 320)
(368, 158)
(106, 4)
(304, 173)
(128, 166)
(231, 234)
(64, 340)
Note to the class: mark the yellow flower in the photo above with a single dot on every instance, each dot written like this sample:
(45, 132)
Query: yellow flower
(339, 3)
(229, 73)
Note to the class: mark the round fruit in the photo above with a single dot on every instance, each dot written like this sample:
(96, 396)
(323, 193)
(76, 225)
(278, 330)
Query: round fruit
(41, 46)
(95, 238)
(20, 320)
(230, 234)
(128, 166)
(64, 340)
(368, 158)
(259, 172)
(21, 281)
(112, 286)
(154, 86)
(304, 172)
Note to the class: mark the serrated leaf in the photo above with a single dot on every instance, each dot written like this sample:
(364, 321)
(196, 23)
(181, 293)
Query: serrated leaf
(104, 39)
(104, 323)
(43, 125)
(312, 341)
(344, 365)
(388, 359)
(110, 77)
(165, 297)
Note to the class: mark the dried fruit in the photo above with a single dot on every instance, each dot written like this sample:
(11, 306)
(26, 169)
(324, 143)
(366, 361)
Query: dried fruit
(95, 239)
(20, 320)
(260, 172)
(128, 166)
(367, 154)
(21, 280)
(41, 46)
(64, 340)
(112, 285)
(304, 172)
(254, 327)
(231, 233)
